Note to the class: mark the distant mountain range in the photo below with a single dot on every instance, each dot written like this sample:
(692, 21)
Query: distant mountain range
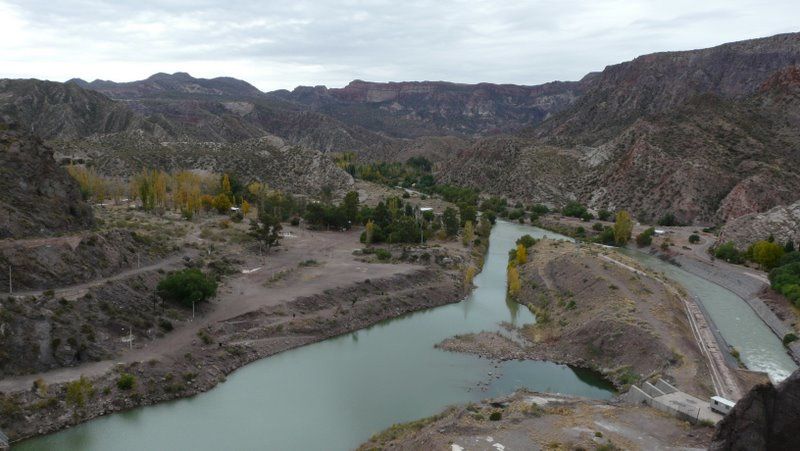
(705, 134)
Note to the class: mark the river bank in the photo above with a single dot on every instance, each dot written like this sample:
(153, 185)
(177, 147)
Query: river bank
(203, 355)
(728, 297)
(344, 379)
(532, 420)
(592, 313)
(232, 345)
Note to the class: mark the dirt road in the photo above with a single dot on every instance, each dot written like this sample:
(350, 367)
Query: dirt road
(274, 279)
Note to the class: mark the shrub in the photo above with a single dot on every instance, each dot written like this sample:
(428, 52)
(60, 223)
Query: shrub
(383, 254)
(598, 227)
(540, 209)
(668, 220)
(295, 221)
(604, 215)
(786, 280)
(574, 209)
(495, 416)
(165, 324)
(789, 338)
(789, 257)
(78, 391)
(187, 287)
(606, 237)
(645, 238)
(126, 381)
(728, 252)
(694, 238)
(526, 240)
(586, 216)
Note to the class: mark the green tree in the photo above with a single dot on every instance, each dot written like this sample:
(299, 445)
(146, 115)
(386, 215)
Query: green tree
(728, 252)
(450, 220)
(467, 213)
(350, 206)
(623, 226)
(266, 229)
(573, 209)
(767, 254)
(187, 286)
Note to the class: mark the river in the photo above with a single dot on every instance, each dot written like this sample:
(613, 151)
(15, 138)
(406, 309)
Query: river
(334, 394)
(759, 348)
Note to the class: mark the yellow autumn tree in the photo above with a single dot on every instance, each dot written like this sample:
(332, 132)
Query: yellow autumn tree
(245, 207)
(369, 232)
(469, 275)
(522, 254)
(514, 283)
(225, 186)
(222, 203)
(468, 235)
(623, 226)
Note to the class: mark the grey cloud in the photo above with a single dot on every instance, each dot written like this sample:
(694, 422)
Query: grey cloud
(281, 44)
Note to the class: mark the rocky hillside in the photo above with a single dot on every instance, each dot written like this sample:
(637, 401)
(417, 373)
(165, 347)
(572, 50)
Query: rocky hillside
(412, 109)
(659, 82)
(172, 85)
(765, 419)
(37, 197)
(286, 167)
(781, 222)
(65, 111)
(228, 110)
(520, 168)
(707, 149)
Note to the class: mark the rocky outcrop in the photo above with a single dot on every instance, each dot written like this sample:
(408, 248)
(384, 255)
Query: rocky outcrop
(767, 418)
(413, 109)
(66, 261)
(65, 111)
(783, 223)
(659, 82)
(37, 197)
(171, 84)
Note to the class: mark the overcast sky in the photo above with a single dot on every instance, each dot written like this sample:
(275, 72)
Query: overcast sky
(288, 43)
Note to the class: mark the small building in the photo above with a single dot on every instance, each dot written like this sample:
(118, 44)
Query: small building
(721, 405)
